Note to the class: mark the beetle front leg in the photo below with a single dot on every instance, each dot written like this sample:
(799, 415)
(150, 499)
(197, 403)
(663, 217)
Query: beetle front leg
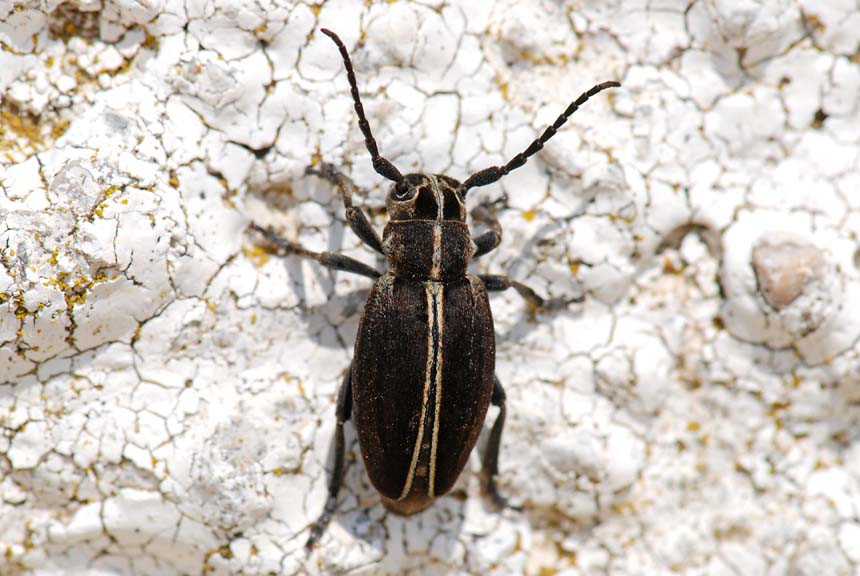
(355, 217)
(490, 465)
(327, 259)
(495, 283)
(344, 412)
(489, 240)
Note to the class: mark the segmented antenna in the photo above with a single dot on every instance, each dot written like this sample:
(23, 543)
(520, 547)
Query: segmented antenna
(382, 166)
(494, 173)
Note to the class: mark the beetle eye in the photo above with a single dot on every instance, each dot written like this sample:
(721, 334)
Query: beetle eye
(403, 191)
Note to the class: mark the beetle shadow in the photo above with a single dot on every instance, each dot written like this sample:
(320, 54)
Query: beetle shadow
(527, 320)
(361, 514)
(341, 309)
(332, 323)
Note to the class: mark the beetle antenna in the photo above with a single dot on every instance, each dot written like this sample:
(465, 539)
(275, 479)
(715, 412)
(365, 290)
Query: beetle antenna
(382, 166)
(494, 173)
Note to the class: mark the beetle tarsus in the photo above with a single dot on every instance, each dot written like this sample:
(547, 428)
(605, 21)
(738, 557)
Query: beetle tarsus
(560, 303)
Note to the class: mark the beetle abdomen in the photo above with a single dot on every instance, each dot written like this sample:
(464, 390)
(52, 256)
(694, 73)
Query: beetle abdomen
(422, 379)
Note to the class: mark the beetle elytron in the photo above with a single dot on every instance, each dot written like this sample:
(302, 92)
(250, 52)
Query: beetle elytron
(422, 376)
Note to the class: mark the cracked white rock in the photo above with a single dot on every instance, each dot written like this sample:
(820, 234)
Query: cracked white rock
(166, 388)
(783, 290)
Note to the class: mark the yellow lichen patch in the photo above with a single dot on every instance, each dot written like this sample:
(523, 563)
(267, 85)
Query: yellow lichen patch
(256, 254)
(7, 48)
(777, 407)
(813, 24)
(150, 41)
(68, 22)
(544, 59)
(503, 88)
(75, 290)
(670, 266)
(622, 217)
(21, 311)
(17, 124)
(732, 532)
(796, 380)
(23, 134)
(60, 128)
(100, 209)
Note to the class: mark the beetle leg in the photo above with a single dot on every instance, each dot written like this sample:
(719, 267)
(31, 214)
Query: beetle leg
(489, 240)
(495, 283)
(344, 412)
(328, 259)
(490, 465)
(355, 217)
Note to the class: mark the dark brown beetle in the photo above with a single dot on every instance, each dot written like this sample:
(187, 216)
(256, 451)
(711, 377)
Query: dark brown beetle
(423, 375)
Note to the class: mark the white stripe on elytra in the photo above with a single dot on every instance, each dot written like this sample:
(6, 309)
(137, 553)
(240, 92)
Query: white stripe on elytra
(436, 266)
(437, 401)
(431, 356)
(433, 291)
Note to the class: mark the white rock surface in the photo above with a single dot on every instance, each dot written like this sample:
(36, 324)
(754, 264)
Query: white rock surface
(167, 388)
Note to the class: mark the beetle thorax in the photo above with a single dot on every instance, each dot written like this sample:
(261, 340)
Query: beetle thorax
(427, 237)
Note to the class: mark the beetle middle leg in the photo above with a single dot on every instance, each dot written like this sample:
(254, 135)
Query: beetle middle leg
(496, 283)
(355, 217)
(327, 259)
(344, 412)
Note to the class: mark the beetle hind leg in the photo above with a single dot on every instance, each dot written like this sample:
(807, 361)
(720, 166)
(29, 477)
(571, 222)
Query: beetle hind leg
(490, 465)
(344, 412)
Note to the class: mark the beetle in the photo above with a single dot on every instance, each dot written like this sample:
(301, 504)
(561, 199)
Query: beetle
(423, 370)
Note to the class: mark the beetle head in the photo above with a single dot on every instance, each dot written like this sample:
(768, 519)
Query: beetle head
(426, 197)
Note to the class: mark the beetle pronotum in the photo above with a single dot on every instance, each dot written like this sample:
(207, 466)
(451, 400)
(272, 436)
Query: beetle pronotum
(423, 371)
